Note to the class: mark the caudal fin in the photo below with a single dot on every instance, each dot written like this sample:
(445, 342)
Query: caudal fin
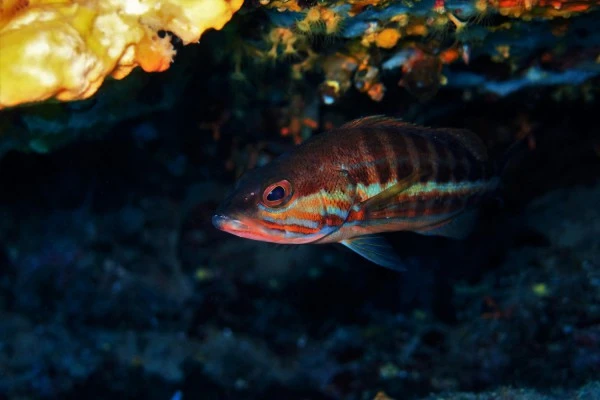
(457, 228)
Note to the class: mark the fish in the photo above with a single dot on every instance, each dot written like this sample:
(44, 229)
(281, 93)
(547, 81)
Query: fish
(352, 184)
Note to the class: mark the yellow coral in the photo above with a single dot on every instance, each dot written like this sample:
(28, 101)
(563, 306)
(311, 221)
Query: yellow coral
(284, 37)
(64, 49)
(387, 38)
(332, 21)
(320, 20)
(417, 29)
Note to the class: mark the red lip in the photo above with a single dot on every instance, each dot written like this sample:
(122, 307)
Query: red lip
(228, 224)
(238, 228)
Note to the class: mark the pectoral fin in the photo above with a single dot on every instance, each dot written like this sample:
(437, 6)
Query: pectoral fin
(375, 249)
(387, 198)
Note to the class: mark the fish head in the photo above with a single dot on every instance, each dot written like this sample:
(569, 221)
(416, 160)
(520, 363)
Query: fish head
(286, 205)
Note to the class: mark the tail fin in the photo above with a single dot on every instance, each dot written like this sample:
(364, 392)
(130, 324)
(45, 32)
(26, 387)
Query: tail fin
(507, 164)
(512, 157)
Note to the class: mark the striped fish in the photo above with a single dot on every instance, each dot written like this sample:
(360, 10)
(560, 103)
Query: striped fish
(371, 175)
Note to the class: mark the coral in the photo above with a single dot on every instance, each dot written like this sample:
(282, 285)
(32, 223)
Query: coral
(285, 38)
(366, 80)
(542, 8)
(320, 20)
(77, 44)
(45, 127)
(311, 20)
(387, 38)
(332, 20)
(446, 32)
(339, 69)
(65, 49)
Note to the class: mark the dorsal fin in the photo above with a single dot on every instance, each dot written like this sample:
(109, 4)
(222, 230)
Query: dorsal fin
(374, 121)
(465, 137)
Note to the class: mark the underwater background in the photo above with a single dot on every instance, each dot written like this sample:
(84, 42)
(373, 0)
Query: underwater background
(115, 284)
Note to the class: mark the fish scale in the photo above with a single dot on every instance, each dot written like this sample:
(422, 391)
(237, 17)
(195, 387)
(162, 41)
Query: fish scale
(385, 151)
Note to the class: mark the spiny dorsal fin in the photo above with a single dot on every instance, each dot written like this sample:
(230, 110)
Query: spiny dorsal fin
(374, 121)
(465, 137)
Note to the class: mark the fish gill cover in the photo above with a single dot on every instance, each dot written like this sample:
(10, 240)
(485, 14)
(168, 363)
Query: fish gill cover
(125, 124)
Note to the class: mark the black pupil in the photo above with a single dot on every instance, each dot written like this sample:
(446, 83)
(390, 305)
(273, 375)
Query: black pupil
(276, 194)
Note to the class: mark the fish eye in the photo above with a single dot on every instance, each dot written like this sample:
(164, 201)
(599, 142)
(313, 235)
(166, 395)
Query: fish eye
(276, 193)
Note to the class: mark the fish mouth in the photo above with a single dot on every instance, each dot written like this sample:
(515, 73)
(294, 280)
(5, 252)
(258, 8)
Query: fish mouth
(249, 229)
(236, 227)
(229, 224)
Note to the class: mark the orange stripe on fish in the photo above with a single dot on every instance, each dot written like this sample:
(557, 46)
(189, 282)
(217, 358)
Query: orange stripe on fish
(290, 227)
